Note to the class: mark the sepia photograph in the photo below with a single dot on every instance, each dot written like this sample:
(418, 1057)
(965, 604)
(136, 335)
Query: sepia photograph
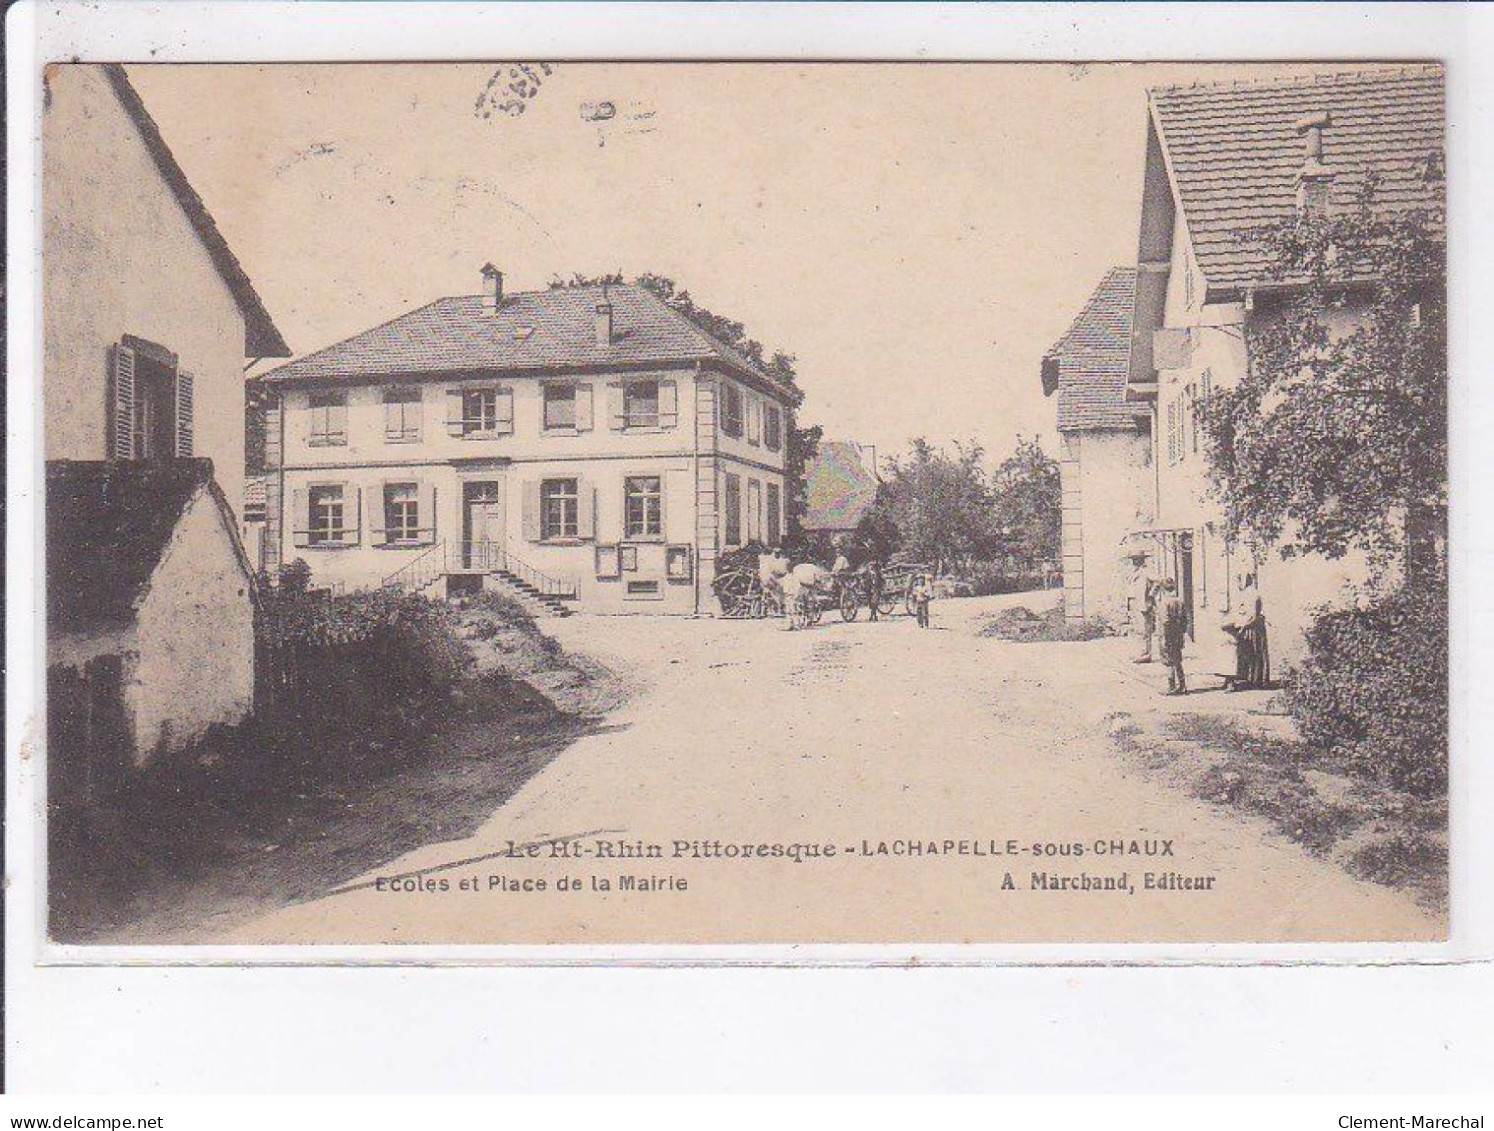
(672, 503)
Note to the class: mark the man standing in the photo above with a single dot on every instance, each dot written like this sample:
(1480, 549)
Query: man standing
(1146, 598)
(1174, 629)
(874, 584)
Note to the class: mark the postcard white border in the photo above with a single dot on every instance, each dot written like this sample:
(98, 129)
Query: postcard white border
(265, 31)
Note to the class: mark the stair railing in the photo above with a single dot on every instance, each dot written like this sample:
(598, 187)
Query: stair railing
(492, 557)
(419, 572)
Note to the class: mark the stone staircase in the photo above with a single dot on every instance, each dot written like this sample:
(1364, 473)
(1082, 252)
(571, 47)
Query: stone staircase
(530, 596)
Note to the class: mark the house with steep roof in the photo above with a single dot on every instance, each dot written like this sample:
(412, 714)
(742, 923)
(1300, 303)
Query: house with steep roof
(150, 615)
(1222, 162)
(1105, 454)
(840, 487)
(148, 318)
(579, 446)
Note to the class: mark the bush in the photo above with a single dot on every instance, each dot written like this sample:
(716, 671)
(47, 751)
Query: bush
(1374, 688)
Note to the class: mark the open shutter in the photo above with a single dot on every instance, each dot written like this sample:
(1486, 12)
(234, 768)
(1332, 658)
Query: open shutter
(664, 505)
(669, 404)
(531, 512)
(183, 413)
(379, 517)
(122, 411)
(615, 413)
(300, 517)
(505, 400)
(583, 408)
(454, 412)
(586, 509)
(352, 530)
(427, 515)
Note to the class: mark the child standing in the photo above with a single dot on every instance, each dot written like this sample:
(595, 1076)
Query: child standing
(923, 593)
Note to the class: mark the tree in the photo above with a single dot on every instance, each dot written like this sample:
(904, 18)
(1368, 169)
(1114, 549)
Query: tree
(940, 505)
(800, 449)
(1336, 438)
(1027, 506)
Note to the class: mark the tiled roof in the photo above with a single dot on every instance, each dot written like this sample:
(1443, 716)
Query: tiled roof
(108, 524)
(1088, 366)
(1234, 152)
(261, 337)
(839, 488)
(532, 330)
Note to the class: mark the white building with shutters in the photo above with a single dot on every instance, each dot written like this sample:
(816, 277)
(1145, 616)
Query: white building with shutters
(147, 320)
(585, 445)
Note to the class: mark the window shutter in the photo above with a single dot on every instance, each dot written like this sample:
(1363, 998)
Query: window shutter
(183, 413)
(583, 408)
(337, 420)
(378, 531)
(505, 410)
(669, 404)
(427, 516)
(454, 412)
(586, 509)
(122, 430)
(531, 511)
(663, 505)
(300, 517)
(352, 530)
(615, 412)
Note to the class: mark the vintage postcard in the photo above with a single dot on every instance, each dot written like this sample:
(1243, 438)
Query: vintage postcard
(745, 503)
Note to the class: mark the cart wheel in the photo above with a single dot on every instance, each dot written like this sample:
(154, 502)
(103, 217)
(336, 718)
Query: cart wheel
(886, 605)
(849, 607)
(908, 605)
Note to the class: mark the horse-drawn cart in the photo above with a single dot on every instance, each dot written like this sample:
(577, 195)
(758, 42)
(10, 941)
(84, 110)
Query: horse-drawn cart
(898, 579)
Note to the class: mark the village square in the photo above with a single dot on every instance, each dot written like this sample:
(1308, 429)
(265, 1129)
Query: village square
(552, 606)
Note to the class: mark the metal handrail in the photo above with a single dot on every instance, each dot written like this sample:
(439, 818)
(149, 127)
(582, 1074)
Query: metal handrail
(491, 557)
(421, 571)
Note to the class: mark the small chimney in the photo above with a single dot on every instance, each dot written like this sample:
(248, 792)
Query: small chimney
(492, 288)
(604, 324)
(1314, 179)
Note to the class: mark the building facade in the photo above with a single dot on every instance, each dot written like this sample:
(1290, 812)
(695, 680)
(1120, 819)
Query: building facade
(588, 442)
(1105, 456)
(1222, 162)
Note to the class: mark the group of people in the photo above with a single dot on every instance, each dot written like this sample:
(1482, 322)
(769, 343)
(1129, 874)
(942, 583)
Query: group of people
(1165, 622)
(922, 591)
(795, 585)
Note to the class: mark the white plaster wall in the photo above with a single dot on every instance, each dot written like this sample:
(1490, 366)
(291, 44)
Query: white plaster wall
(194, 637)
(120, 257)
(1115, 471)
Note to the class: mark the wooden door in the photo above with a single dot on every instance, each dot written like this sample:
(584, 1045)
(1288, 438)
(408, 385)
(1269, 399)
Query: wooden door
(482, 524)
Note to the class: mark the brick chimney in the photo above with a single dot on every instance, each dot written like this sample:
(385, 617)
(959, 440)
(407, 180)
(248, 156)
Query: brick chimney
(604, 323)
(492, 288)
(1314, 179)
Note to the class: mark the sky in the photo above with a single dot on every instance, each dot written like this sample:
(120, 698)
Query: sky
(916, 235)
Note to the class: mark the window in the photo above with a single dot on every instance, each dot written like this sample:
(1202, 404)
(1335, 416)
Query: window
(1172, 432)
(401, 513)
(479, 411)
(326, 513)
(731, 409)
(1190, 416)
(402, 416)
(772, 427)
(754, 421)
(151, 413)
(732, 496)
(641, 404)
(559, 509)
(643, 507)
(643, 589)
(775, 514)
(560, 406)
(329, 419)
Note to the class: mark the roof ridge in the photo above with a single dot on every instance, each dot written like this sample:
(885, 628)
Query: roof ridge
(1315, 78)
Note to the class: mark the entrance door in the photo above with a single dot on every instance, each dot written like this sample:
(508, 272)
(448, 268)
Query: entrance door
(482, 524)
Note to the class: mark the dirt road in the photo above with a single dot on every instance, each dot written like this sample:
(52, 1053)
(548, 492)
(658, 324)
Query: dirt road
(851, 783)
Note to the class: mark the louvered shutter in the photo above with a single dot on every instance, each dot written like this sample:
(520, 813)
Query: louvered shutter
(300, 517)
(352, 528)
(669, 404)
(586, 509)
(122, 410)
(427, 515)
(531, 511)
(184, 382)
(616, 417)
(583, 408)
(378, 528)
(454, 412)
(505, 410)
